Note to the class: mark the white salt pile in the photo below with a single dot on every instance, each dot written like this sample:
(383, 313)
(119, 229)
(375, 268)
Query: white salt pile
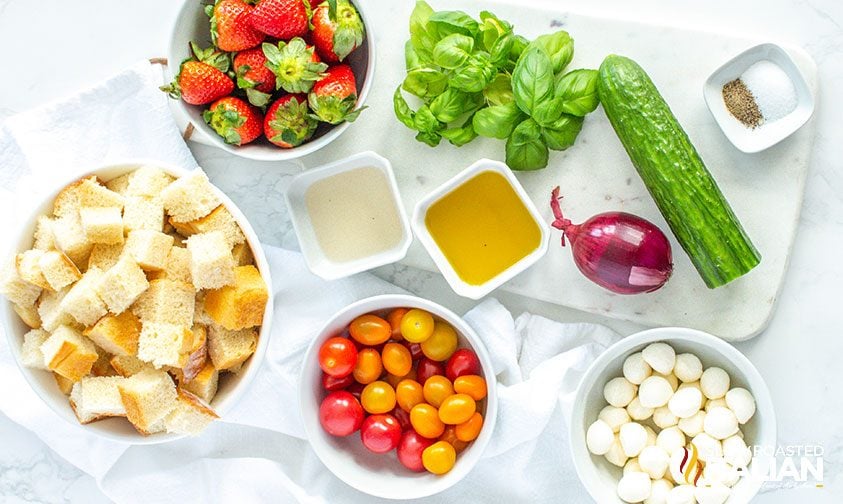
(772, 89)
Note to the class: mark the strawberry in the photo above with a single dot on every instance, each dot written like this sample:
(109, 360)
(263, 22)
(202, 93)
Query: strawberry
(252, 73)
(333, 97)
(235, 120)
(201, 79)
(231, 27)
(337, 30)
(288, 122)
(282, 19)
(295, 65)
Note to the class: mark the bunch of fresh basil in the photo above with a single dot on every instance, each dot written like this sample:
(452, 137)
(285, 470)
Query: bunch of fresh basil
(480, 78)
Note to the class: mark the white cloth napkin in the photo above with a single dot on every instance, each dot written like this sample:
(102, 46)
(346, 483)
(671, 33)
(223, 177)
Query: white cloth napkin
(258, 452)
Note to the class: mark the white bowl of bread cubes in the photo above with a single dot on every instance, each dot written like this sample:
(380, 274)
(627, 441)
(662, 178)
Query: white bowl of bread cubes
(137, 302)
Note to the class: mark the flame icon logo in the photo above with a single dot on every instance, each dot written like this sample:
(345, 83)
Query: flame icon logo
(691, 466)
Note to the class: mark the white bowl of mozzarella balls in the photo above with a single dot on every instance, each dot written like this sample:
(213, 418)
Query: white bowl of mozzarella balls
(672, 416)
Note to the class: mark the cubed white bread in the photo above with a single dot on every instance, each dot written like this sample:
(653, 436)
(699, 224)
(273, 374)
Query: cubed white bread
(116, 334)
(200, 316)
(148, 181)
(148, 397)
(190, 416)
(29, 315)
(102, 366)
(241, 305)
(64, 385)
(82, 301)
(177, 268)
(104, 256)
(204, 384)
(29, 267)
(163, 344)
(96, 398)
(198, 354)
(141, 212)
(16, 289)
(167, 301)
(149, 248)
(228, 349)
(102, 224)
(243, 254)
(122, 284)
(211, 262)
(43, 239)
(119, 184)
(30, 352)
(67, 201)
(68, 353)
(93, 195)
(58, 270)
(128, 365)
(51, 312)
(71, 239)
(190, 197)
(220, 219)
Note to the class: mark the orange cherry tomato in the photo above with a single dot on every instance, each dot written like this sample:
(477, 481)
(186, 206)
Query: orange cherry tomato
(408, 393)
(472, 385)
(468, 431)
(394, 319)
(437, 389)
(450, 435)
(439, 458)
(442, 343)
(370, 330)
(457, 409)
(397, 359)
(395, 380)
(416, 325)
(425, 420)
(368, 367)
(378, 397)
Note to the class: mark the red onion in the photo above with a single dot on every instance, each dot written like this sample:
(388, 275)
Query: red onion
(618, 251)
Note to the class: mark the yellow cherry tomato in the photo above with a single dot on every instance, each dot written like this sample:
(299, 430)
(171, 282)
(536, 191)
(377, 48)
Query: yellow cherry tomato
(469, 430)
(437, 389)
(442, 343)
(457, 409)
(425, 420)
(408, 393)
(472, 385)
(368, 367)
(370, 330)
(378, 397)
(397, 359)
(417, 325)
(439, 457)
(450, 436)
(394, 319)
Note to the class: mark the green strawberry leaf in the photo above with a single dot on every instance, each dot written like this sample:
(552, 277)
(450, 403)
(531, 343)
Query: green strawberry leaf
(349, 32)
(258, 98)
(293, 65)
(332, 10)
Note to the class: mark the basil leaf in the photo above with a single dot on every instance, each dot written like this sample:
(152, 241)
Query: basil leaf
(563, 132)
(548, 111)
(462, 135)
(499, 91)
(425, 121)
(532, 81)
(453, 103)
(431, 138)
(475, 75)
(559, 46)
(453, 51)
(446, 23)
(525, 149)
(578, 91)
(425, 82)
(422, 36)
(402, 110)
(412, 60)
(501, 48)
(492, 29)
(498, 121)
(518, 47)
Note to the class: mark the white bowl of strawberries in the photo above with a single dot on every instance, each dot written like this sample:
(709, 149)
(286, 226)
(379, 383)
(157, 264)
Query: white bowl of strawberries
(272, 80)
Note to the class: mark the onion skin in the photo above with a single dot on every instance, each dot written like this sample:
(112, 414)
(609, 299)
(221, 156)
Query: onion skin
(618, 251)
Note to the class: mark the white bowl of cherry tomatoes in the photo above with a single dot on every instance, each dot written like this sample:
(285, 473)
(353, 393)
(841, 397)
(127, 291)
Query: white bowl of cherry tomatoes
(274, 79)
(397, 397)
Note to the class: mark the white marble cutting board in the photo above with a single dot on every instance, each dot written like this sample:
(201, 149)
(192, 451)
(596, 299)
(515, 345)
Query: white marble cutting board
(596, 175)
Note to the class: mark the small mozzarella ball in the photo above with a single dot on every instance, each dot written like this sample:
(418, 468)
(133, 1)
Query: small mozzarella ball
(714, 383)
(736, 452)
(632, 465)
(599, 437)
(654, 392)
(718, 471)
(635, 369)
(708, 447)
(633, 438)
(671, 440)
(659, 491)
(741, 402)
(663, 418)
(671, 379)
(654, 461)
(688, 367)
(694, 384)
(614, 416)
(715, 403)
(619, 392)
(682, 494)
(720, 423)
(712, 494)
(651, 436)
(686, 402)
(660, 356)
(693, 425)
(616, 455)
(634, 487)
(638, 412)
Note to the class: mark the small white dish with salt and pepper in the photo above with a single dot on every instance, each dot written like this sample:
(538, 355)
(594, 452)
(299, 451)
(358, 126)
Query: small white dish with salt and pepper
(752, 66)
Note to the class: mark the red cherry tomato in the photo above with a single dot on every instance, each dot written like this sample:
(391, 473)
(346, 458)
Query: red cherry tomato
(356, 389)
(415, 350)
(380, 433)
(340, 414)
(410, 450)
(428, 368)
(337, 357)
(403, 418)
(370, 330)
(332, 383)
(463, 362)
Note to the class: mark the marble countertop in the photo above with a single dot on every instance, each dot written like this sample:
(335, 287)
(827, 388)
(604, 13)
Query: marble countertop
(61, 46)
